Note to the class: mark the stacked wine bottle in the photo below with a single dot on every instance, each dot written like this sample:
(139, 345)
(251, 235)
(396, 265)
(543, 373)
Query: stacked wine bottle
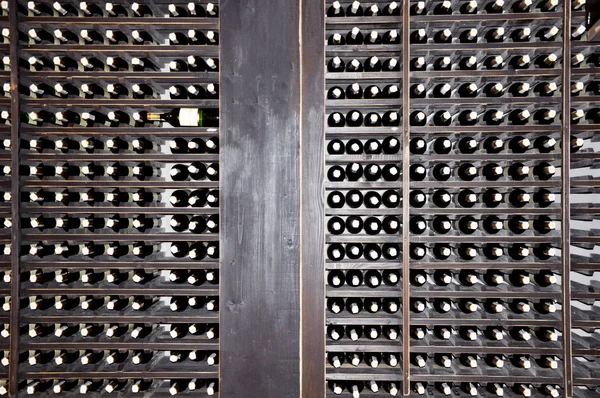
(363, 192)
(484, 221)
(5, 208)
(488, 133)
(585, 208)
(119, 164)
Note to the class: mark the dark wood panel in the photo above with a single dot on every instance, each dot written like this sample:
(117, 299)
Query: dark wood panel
(313, 204)
(565, 244)
(260, 193)
(405, 198)
(15, 231)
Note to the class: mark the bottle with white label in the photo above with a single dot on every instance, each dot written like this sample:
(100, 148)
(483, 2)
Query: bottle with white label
(188, 117)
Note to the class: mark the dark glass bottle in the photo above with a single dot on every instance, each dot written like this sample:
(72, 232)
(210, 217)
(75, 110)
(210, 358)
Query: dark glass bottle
(189, 117)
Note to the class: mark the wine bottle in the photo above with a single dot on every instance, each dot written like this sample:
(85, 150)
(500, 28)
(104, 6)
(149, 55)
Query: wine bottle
(187, 117)
(442, 145)
(40, 36)
(418, 146)
(336, 10)
(443, 8)
(355, 10)
(442, 63)
(354, 66)
(39, 8)
(336, 93)
(443, 36)
(335, 147)
(336, 64)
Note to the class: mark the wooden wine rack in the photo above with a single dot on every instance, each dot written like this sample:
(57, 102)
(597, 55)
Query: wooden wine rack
(273, 322)
(573, 375)
(159, 371)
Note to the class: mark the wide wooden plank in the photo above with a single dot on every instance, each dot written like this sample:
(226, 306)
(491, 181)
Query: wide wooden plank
(260, 196)
(313, 204)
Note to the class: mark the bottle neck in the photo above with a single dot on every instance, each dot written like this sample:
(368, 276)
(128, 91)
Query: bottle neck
(154, 116)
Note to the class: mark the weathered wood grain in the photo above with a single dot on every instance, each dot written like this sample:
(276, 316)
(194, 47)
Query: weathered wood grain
(313, 202)
(260, 196)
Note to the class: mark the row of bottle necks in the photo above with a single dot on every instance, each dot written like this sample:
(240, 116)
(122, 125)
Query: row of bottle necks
(343, 361)
(490, 307)
(115, 37)
(117, 90)
(442, 277)
(144, 387)
(352, 198)
(336, 64)
(461, 62)
(543, 335)
(93, 118)
(199, 198)
(439, 224)
(178, 198)
(117, 303)
(461, 171)
(531, 33)
(355, 9)
(155, 145)
(196, 224)
(111, 357)
(117, 331)
(90, 64)
(467, 117)
(197, 250)
(386, 306)
(441, 198)
(335, 278)
(354, 388)
(195, 171)
(120, 331)
(335, 251)
(115, 277)
(489, 145)
(443, 251)
(146, 9)
(467, 89)
(358, 9)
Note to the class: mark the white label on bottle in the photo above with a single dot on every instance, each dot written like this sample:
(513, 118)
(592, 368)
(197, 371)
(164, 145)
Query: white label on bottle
(189, 117)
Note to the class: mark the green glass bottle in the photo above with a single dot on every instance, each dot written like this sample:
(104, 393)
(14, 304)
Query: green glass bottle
(41, 117)
(188, 117)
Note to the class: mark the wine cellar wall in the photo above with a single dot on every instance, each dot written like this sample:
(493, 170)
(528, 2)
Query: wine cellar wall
(364, 205)
(115, 218)
(461, 199)
(360, 199)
